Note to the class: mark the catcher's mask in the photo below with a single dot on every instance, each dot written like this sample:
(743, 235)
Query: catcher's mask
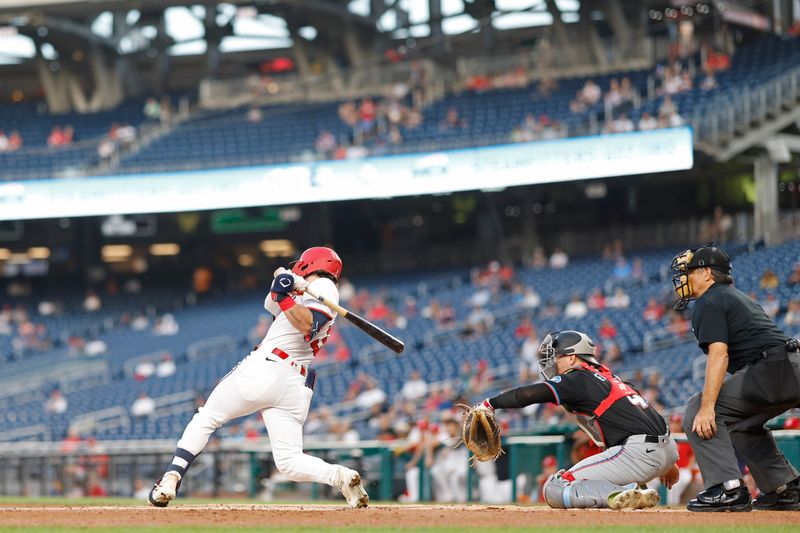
(567, 342)
(705, 257)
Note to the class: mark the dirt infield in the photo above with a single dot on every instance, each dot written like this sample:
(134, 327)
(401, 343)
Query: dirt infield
(406, 516)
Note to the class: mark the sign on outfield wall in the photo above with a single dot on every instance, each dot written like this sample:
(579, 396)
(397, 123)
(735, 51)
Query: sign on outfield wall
(375, 177)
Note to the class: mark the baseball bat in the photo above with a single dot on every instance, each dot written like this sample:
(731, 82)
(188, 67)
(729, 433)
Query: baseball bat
(391, 342)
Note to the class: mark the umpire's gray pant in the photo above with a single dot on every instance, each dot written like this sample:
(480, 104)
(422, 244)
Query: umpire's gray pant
(740, 425)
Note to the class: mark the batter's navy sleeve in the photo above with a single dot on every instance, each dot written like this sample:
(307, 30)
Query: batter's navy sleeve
(318, 319)
(524, 396)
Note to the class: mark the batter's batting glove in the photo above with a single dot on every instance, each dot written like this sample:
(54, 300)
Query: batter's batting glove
(283, 284)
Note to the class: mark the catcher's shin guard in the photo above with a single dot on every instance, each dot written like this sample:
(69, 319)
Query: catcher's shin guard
(562, 493)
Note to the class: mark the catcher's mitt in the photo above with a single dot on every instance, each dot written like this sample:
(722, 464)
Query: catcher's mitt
(480, 434)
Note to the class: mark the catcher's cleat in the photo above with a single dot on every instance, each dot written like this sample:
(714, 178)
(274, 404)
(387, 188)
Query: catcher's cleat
(634, 499)
(349, 484)
(165, 489)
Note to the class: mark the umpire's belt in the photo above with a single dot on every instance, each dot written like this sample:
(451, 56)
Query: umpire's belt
(285, 356)
(653, 439)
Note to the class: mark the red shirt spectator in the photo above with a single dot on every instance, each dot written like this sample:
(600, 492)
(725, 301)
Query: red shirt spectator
(379, 311)
(596, 300)
(367, 110)
(653, 312)
(14, 141)
(56, 137)
(607, 330)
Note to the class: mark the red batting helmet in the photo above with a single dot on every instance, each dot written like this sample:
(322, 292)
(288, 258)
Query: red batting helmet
(318, 258)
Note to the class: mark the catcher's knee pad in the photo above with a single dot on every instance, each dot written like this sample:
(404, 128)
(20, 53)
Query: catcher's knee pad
(562, 491)
(553, 490)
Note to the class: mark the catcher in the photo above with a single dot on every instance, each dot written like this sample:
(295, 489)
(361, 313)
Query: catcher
(636, 443)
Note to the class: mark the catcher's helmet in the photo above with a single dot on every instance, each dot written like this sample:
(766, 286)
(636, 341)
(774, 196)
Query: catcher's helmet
(567, 342)
(704, 257)
(316, 259)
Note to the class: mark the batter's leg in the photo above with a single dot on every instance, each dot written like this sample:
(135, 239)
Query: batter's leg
(286, 438)
(224, 403)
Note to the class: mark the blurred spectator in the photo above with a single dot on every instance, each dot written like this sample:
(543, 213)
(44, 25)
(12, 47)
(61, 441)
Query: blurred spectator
(612, 98)
(576, 308)
(529, 358)
(618, 300)
(549, 467)
(3, 141)
(612, 353)
(591, 93)
(144, 369)
(166, 367)
(448, 472)
(654, 311)
(647, 122)
(57, 403)
(792, 316)
(106, 149)
(152, 109)
(577, 105)
(166, 325)
(622, 124)
(346, 290)
(596, 300)
(638, 274)
(530, 298)
(678, 325)
(166, 110)
(622, 271)
(524, 328)
(559, 259)
(794, 277)
(143, 406)
(769, 280)
(139, 322)
(685, 462)
(668, 107)
(479, 321)
(56, 137)
(415, 388)
(453, 120)
(539, 259)
(92, 302)
(254, 115)
(607, 330)
(95, 347)
(125, 135)
(371, 395)
(709, 81)
(325, 144)
(14, 141)
(550, 310)
(771, 305)
(367, 114)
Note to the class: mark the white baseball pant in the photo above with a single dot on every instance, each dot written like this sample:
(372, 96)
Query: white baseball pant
(277, 390)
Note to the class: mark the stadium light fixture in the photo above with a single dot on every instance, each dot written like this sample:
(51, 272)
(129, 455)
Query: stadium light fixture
(19, 259)
(246, 260)
(165, 248)
(39, 252)
(116, 253)
(5, 253)
(277, 248)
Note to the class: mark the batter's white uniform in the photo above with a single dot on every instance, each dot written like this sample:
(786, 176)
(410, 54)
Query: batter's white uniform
(266, 381)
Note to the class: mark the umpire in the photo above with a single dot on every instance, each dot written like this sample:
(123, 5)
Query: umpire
(764, 367)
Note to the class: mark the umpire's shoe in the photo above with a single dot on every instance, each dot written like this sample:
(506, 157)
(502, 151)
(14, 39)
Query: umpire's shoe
(719, 499)
(786, 498)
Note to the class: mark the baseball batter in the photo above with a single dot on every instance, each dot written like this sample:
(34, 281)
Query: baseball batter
(275, 379)
(637, 445)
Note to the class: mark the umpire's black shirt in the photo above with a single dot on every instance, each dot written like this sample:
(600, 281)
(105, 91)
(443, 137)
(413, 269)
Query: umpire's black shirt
(726, 314)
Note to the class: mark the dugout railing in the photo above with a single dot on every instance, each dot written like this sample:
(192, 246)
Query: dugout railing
(240, 468)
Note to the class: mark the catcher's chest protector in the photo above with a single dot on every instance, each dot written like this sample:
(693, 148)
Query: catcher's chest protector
(588, 422)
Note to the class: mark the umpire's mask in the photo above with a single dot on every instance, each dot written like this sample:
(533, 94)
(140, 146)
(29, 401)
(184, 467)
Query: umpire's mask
(567, 342)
